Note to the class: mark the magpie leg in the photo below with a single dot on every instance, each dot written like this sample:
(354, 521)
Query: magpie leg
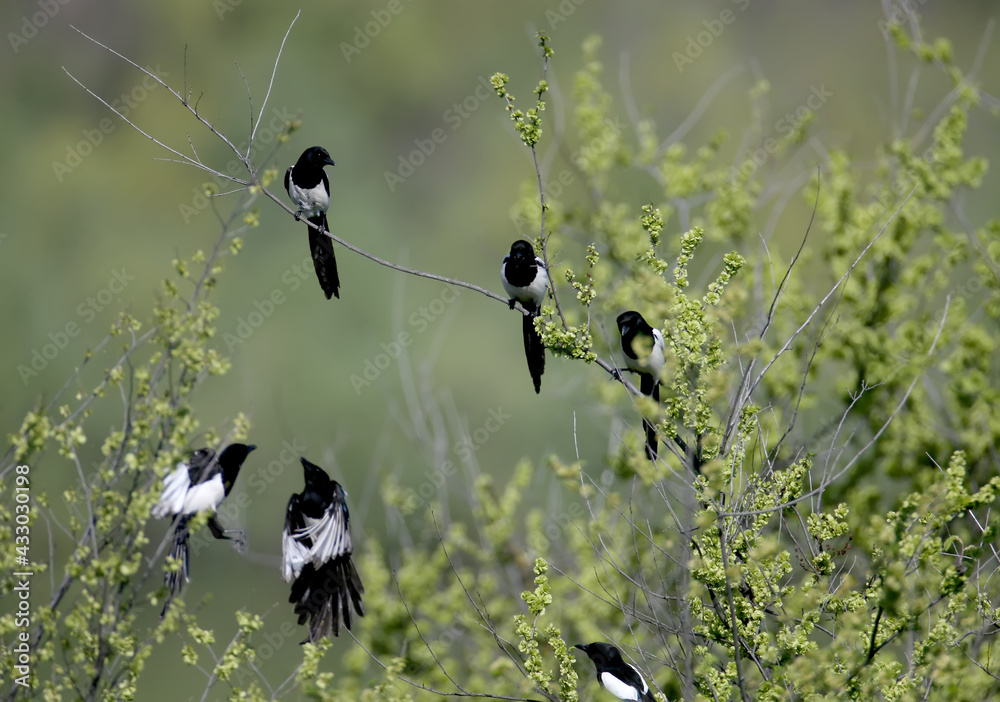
(239, 540)
(511, 302)
(298, 215)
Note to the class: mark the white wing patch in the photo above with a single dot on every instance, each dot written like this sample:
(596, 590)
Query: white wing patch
(293, 556)
(175, 487)
(540, 285)
(656, 358)
(205, 497)
(618, 688)
(645, 687)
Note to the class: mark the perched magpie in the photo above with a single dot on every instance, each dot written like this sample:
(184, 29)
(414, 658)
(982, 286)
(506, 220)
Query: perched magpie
(309, 188)
(526, 281)
(316, 552)
(616, 676)
(199, 485)
(643, 348)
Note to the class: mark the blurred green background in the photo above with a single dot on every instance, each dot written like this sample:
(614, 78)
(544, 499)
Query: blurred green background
(371, 85)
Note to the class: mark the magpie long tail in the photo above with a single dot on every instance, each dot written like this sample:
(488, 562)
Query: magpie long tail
(324, 259)
(175, 579)
(650, 386)
(534, 350)
(325, 597)
(651, 441)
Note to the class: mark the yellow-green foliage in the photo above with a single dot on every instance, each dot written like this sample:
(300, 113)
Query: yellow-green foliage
(756, 559)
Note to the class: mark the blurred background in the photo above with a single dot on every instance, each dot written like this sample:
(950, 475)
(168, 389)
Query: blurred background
(91, 220)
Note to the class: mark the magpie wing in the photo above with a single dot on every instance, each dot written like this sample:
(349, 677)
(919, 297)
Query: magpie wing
(202, 466)
(294, 553)
(175, 487)
(330, 535)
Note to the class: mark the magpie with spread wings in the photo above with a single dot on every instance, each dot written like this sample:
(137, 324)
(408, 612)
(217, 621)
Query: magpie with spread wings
(316, 553)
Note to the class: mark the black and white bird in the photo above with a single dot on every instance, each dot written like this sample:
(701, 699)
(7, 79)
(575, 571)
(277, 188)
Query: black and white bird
(309, 188)
(198, 485)
(316, 553)
(526, 281)
(644, 354)
(621, 679)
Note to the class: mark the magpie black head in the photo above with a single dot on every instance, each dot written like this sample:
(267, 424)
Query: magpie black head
(522, 250)
(322, 487)
(630, 320)
(315, 477)
(316, 156)
(232, 457)
(603, 654)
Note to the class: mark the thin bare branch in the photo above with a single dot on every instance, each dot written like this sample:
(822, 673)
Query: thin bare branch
(270, 85)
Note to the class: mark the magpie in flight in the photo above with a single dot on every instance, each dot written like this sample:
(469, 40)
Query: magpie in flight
(616, 676)
(309, 188)
(526, 281)
(316, 553)
(199, 485)
(643, 348)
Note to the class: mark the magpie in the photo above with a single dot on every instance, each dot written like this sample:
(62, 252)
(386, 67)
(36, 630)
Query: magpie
(309, 188)
(526, 281)
(643, 348)
(616, 676)
(198, 485)
(316, 553)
